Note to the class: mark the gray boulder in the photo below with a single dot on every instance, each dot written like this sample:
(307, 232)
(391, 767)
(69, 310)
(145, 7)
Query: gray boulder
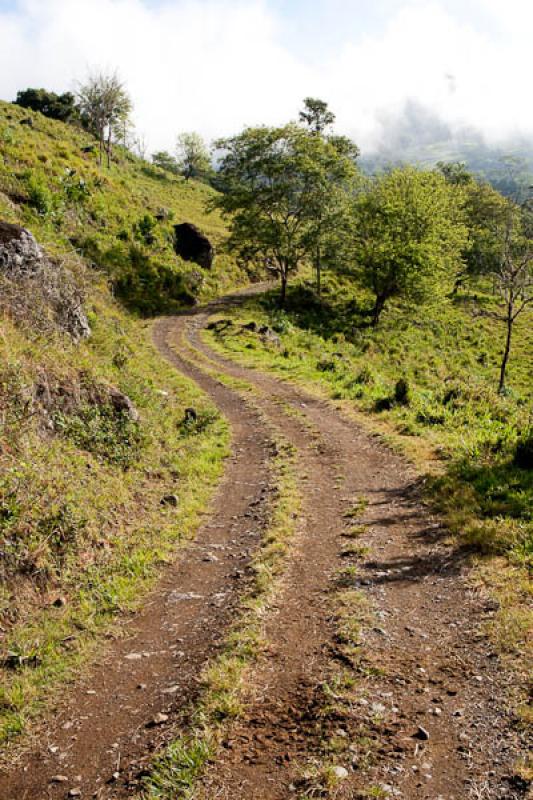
(20, 255)
(37, 291)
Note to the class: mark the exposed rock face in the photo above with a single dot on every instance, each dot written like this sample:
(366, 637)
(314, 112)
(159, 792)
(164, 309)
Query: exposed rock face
(36, 290)
(192, 245)
(20, 255)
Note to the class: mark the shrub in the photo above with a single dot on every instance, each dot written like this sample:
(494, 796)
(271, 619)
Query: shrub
(101, 430)
(39, 196)
(402, 392)
(144, 229)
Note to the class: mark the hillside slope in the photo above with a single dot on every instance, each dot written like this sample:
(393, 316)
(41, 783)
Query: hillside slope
(102, 471)
(121, 220)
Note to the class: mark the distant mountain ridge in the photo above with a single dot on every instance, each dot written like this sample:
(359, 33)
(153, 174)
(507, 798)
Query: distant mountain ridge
(417, 136)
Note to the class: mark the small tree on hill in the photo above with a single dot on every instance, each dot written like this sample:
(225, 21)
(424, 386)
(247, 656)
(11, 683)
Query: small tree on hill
(164, 160)
(274, 181)
(56, 106)
(105, 107)
(192, 156)
(408, 235)
(514, 281)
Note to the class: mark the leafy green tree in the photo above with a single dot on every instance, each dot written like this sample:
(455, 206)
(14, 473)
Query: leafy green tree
(275, 180)
(56, 106)
(486, 214)
(330, 186)
(193, 156)
(408, 235)
(105, 107)
(316, 115)
(164, 160)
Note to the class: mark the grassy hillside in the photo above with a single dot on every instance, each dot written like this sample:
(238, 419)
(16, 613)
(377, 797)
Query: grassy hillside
(121, 220)
(83, 531)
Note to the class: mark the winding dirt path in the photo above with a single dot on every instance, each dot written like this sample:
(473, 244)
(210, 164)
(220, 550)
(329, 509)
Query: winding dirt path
(430, 705)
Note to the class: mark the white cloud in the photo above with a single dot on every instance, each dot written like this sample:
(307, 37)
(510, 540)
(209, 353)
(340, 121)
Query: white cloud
(215, 65)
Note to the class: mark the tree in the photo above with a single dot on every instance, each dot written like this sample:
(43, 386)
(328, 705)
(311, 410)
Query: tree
(486, 213)
(328, 191)
(56, 106)
(192, 156)
(316, 115)
(105, 107)
(274, 179)
(408, 234)
(164, 160)
(514, 280)
(336, 179)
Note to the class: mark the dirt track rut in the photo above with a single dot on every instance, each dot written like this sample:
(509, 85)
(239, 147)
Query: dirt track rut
(425, 662)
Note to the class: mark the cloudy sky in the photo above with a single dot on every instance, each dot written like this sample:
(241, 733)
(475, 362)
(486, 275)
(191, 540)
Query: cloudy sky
(216, 65)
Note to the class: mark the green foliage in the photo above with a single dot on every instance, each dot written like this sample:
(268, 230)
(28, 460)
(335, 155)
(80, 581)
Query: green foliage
(408, 235)
(145, 228)
(277, 181)
(193, 157)
(166, 161)
(40, 197)
(316, 115)
(49, 182)
(75, 188)
(61, 107)
(192, 425)
(106, 433)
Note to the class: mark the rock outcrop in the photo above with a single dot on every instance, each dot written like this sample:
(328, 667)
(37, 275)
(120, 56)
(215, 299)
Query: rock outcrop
(20, 255)
(192, 245)
(36, 290)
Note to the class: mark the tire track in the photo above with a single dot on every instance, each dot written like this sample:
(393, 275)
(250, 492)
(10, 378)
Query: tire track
(433, 698)
(103, 736)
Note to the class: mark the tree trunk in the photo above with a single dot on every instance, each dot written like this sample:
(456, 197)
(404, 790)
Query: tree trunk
(108, 149)
(318, 271)
(101, 152)
(505, 359)
(379, 305)
(283, 293)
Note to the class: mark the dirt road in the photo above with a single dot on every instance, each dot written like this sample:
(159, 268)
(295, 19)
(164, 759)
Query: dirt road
(427, 716)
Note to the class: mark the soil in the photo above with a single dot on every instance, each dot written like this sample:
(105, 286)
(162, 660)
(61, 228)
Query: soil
(432, 717)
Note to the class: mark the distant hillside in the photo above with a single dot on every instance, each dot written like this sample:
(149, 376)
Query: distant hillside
(419, 137)
(120, 220)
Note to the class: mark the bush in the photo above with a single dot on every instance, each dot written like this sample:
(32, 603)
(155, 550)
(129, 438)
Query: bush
(101, 430)
(144, 229)
(39, 196)
(402, 392)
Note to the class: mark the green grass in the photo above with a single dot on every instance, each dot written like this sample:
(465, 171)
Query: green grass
(85, 527)
(81, 520)
(428, 380)
(121, 220)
